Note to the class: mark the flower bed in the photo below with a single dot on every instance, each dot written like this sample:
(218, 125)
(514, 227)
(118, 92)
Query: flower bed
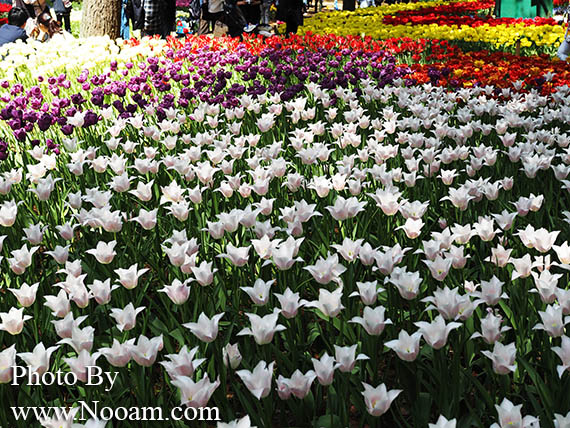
(301, 231)
(443, 20)
(4, 9)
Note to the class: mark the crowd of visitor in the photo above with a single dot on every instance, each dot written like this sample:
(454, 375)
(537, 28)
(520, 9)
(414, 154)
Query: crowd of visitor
(35, 19)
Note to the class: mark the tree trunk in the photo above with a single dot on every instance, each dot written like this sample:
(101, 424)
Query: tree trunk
(348, 4)
(101, 18)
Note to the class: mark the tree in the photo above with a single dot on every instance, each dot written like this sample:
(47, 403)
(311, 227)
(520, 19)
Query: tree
(101, 18)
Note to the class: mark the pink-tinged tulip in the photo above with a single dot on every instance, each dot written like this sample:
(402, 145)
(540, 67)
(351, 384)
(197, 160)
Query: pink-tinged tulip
(372, 320)
(265, 206)
(7, 363)
(81, 338)
(408, 283)
(379, 399)
(523, 267)
(59, 254)
(74, 200)
(64, 327)
(76, 290)
(183, 363)
(412, 227)
(119, 354)
(442, 422)
(563, 297)
(172, 193)
(510, 416)
(259, 381)
(324, 369)
(435, 333)
(263, 328)
(21, 259)
(459, 198)
(300, 384)
(446, 301)
(264, 246)
(491, 291)
(563, 353)
(104, 252)
(101, 290)
(552, 321)
(121, 183)
(282, 389)
(260, 292)
(237, 255)
(499, 256)
(327, 270)
(458, 258)
(387, 200)
(143, 191)
(26, 294)
(126, 318)
(505, 219)
(231, 356)
(79, 364)
(147, 219)
(180, 210)
(367, 254)
(146, 350)
(406, 347)
(205, 329)
(544, 263)
(290, 303)
(485, 229)
(129, 278)
(34, 234)
(284, 255)
(491, 329)
(38, 359)
(349, 249)
(244, 422)
(439, 268)
(346, 357)
(177, 253)
(546, 285)
(321, 184)
(178, 292)
(367, 291)
(563, 252)
(13, 320)
(431, 249)
(204, 274)
(45, 187)
(447, 176)
(195, 394)
(345, 208)
(329, 303)
(540, 239)
(503, 358)
(8, 213)
(461, 234)
(414, 210)
(561, 421)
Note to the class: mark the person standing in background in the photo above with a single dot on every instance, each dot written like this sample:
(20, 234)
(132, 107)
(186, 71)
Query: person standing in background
(62, 9)
(159, 17)
(264, 20)
(14, 29)
(125, 31)
(290, 11)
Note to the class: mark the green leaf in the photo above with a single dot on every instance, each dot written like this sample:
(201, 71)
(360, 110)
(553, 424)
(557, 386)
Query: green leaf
(328, 421)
